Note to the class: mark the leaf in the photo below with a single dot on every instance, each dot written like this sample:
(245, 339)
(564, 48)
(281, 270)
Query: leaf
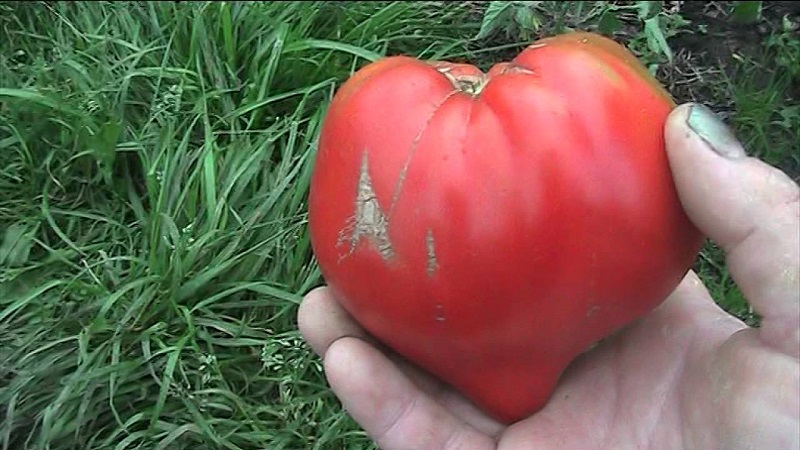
(609, 23)
(17, 244)
(648, 9)
(35, 98)
(226, 27)
(655, 37)
(16, 304)
(494, 16)
(527, 19)
(746, 12)
(104, 147)
(322, 44)
(8, 142)
(105, 141)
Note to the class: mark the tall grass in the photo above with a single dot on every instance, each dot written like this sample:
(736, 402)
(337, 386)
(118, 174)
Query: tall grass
(155, 159)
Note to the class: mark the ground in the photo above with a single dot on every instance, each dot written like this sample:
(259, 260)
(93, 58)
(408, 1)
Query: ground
(155, 159)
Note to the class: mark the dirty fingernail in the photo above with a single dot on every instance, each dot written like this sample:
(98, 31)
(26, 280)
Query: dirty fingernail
(714, 132)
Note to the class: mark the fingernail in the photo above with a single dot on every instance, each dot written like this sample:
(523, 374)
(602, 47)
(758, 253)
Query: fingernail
(714, 132)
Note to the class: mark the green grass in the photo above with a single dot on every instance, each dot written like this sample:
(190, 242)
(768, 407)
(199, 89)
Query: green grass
(154, 162)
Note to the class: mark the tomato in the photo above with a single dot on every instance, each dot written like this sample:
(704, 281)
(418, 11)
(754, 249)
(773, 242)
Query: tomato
(492, 227)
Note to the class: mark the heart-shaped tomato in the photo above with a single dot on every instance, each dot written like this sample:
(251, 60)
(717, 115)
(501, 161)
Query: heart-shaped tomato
(491, 227)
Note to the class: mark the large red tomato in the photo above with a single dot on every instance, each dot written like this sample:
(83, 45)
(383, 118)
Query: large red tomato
(491, 227)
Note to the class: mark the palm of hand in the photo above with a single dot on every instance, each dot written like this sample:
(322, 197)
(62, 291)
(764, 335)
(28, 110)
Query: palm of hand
(681, 378)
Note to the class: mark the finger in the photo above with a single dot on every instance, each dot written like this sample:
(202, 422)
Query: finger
(690, 306)
(393, 411)
(687, 321)
(322, 320)
(449, 398)
(692, 298)
(747, 207)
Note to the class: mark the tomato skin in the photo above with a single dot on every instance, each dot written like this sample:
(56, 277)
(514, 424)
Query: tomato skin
(499, 234)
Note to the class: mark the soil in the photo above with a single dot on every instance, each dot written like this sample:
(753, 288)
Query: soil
(720, 45)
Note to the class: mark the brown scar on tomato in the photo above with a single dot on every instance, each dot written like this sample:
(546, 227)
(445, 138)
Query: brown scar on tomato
(433, 263)
(369, 221)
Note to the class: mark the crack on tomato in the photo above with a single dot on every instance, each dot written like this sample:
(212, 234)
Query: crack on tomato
(414, 144)
(516, 68)
(536, 45)
(439, 315)
(369, 221)
(430, 245)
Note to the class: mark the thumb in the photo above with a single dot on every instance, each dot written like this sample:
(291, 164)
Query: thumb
(750, 209)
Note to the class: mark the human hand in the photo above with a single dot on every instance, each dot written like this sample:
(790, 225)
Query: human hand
(687, 376)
